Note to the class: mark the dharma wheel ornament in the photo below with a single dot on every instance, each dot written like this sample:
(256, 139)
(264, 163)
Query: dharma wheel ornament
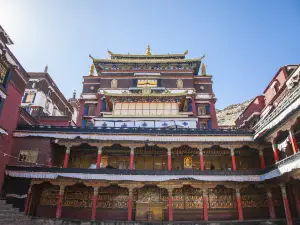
(92, 70)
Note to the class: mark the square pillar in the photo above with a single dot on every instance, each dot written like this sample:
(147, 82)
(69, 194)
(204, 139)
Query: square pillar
(233, 159)
(170, 203)
(99, 156)
(170, 158)
(275, 150)
(67, 155)
(26, 210)
(59, 201)
(131, 162)
(205, 204)
(94, 203)
(293, 140)
(271, 205)
(286, 205)
(201, 159)
(129, 216)
(262, 159)
(239, 203)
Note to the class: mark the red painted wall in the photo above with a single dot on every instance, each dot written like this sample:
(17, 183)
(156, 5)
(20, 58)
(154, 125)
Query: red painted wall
(269, 92)
(256, 105)
(64, 123)
(43, 145)
(8, 120)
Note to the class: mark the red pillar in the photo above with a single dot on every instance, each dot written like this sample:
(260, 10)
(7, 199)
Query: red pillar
(194, 107)
(205, 205)
(239, 204)
(94, 203)
(80, 113)
(293, 140)
(286, 205)
(27, 201)
(213, 115)
(130, 204)
(131, 162)
(59, 201)
(169, 159)
(98, 108)
(67, 154)
(170, 200)
(262, 159)
(275, 151)
(271, 205)
(297, 199)
(233, 159)
(201, 159)
(99, 156)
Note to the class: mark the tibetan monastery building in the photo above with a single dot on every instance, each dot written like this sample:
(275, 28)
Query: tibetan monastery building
(147, 148)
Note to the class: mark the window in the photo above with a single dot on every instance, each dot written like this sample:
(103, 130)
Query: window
(28, 156)
(202, 110)
(29, 97)
(49, 93)
(33, 85)
(147, 83)
(3, 73)
(203, 125)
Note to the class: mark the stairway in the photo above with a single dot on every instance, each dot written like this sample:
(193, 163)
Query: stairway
(12, 216)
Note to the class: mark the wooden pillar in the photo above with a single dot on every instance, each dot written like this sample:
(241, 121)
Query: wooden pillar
(59, 201)
(26, 210)
(201, 159)
(67, 155)
(194, 106)
(99, 156)
(131, 162)
(262, 159)
(169, 159)
(275, 150)
(205, 204)
(293, 140)
(170, 201)
(233, 159)
(94, 203)
(286, 205)
(129, 217)
(239, 203)
(271, 205)
(297, 198)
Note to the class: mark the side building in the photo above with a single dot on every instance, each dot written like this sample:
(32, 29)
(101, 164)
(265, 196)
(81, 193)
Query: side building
(44, 101)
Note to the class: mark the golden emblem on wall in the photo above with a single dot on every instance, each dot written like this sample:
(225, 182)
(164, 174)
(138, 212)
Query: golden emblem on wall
(188, 162)
(114, 83)
(179, 83)
(146, 90)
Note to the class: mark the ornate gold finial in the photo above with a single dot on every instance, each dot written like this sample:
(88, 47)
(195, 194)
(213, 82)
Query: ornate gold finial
(46, 69)
(186, 52)
(92, 70)
(148, 50)
(109, 52)
(203, 69)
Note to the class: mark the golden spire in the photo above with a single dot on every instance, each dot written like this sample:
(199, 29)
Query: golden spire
(203, 69)
(92, 70)
(148, 50)
(186, 52)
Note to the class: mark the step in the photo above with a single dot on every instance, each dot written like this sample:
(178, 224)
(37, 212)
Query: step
(10, 212)
(6, 206)
(14, 216)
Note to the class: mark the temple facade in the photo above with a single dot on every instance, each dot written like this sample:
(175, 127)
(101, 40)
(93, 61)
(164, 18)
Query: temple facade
(147, 148)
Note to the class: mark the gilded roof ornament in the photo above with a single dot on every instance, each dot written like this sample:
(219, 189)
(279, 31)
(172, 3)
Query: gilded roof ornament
(203, 69)
(109, 52)
(148, 50)
(186, 52)
(92, 70)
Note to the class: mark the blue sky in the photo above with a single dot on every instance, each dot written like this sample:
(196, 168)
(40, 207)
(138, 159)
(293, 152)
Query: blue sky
(245, 42)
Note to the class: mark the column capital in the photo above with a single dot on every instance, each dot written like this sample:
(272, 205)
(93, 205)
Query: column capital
(99, 150)
(29, 189)
(283, 190)
(132, 150)
(62, 189)
(269, 193)
(232, 151)
(205, 192)
(237, 192)
(200, 151)
(96, 191)
(170, 151)
(260, 152)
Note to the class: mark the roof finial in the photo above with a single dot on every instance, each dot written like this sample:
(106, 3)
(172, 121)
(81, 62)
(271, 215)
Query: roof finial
(74, 94)
(148, 50)
(46, 69)
(186, 52)
(92, 70)
(203, 69)
(109, 52)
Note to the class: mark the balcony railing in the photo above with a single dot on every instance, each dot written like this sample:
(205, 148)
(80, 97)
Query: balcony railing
(136, 130)
(285, 161)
